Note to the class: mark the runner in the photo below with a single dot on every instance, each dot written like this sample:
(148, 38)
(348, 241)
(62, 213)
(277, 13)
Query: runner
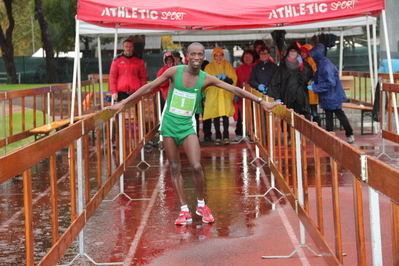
(178, 125)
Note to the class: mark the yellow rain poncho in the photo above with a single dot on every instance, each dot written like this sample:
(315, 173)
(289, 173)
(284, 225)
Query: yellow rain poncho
(219, 102)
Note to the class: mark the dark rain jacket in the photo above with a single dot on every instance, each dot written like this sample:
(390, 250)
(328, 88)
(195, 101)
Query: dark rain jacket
(262, 73)
(290, 86)
(326, 81)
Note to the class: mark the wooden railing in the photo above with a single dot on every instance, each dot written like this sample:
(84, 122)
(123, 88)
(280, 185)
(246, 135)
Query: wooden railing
(46, 104)
(284, 140)
(362, 92)
(389, 112)
(282, 136)
(89, 146)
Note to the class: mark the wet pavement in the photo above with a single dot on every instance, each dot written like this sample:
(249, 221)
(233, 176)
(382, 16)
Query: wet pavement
(141, 231)
(137, 227)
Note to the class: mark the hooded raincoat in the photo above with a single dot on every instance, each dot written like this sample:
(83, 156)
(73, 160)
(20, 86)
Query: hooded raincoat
(326, 81)
(289, 84)
(219, 102)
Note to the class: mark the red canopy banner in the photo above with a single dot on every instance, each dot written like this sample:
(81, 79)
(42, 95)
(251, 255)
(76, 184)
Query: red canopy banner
(220, 15)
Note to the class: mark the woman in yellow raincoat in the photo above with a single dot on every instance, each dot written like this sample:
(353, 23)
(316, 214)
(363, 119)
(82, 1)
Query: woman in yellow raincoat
(219, 103)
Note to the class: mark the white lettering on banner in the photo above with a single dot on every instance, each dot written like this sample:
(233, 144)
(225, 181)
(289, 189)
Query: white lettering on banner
(173, 15)
(135, 13)
(289, 11)
(343, 5)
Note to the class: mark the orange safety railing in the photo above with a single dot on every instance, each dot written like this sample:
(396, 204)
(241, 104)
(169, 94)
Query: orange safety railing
(389, 111)
(303, 158)
(89, 146)
(44, 105)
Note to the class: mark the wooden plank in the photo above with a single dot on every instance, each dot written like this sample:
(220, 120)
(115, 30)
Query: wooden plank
(395, 232)
(359, 222)
(389, 87)
(27, 92)
(37, 151)
(319, 193)
(54, 198)
(45, 129)
(358, 107)
(388, 135)
(27, 186)
(383, 177)
(336, 210)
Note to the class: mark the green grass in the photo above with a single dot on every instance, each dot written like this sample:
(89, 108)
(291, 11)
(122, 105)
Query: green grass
(17, 127)
(15, 87)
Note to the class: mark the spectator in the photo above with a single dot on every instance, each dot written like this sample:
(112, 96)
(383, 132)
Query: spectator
(177, 125)
(178, 59)
(219, 103)
(263, 72)
(127, 74)
(313, 97)
(331, 93)
(243, 73)
(256, 46)
(289, 84)
(169, 61)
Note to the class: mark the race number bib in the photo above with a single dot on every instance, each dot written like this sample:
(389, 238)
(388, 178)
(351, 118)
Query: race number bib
(182, 103)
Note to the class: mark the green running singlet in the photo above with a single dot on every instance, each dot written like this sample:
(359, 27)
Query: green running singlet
(178, 120)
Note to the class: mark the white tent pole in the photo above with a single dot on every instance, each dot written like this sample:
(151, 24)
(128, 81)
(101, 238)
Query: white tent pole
(376, 79)
(395, 106)
(116, 39)
(115, 49)
(79, 77)
(375, 50)
(100, 71)
(75, 61)
(384, 23)
(373, 195)
(370, 59)
(341, 52)
(79, 143)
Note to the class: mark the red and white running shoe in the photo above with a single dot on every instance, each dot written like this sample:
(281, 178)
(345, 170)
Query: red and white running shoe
(206, 214)
(184, 218)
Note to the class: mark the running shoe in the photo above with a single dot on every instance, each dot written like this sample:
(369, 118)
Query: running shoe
(237, 138)
(351, 139)
(206, 214)
(184, 218)
(218, 142)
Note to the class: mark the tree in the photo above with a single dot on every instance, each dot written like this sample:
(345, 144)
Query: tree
(6, 45)
(61, 18)
(47, 43)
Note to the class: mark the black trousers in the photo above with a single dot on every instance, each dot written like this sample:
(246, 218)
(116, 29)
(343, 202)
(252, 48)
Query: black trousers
(206, 127)
(216, 124)
(238, 130)
(341, 117)
(315, 115)
(123, 95)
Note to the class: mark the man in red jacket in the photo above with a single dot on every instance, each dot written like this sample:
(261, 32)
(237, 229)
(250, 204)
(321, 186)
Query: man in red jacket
(128, 73)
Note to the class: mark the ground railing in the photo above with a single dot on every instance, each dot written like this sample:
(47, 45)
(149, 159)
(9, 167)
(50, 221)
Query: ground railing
(97, 152)
(39, 106)
(389, 115)
(285, 140)
(304, 160)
